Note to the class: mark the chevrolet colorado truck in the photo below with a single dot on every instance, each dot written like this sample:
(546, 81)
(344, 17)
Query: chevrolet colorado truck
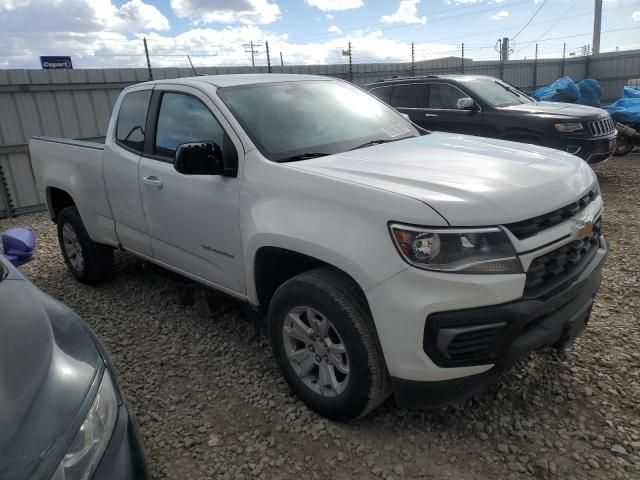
(386, 258)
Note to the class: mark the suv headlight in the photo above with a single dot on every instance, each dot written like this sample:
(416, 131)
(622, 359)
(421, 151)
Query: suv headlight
(569, 127)
(91, 441)
(477, 250)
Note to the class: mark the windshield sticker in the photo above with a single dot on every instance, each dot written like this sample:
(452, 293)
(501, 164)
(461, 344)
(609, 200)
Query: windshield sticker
(396, 130)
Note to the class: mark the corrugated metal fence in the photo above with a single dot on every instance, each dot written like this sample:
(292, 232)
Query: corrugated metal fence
(77, 103)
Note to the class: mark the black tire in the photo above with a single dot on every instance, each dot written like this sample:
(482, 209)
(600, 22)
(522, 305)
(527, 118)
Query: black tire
(624, 146)
(97, 258)
(340, 300)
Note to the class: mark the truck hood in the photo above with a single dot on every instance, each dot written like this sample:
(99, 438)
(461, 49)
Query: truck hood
(470, 181)
(47, 364)
(559, 109)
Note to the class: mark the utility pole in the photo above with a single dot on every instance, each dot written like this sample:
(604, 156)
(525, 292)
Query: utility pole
(564, 53)
(413, 60)
(146, 52)
(535, 68)
(462, 61)
(266, 45)
(281, 62)
(252, 49)
(597, 27)
(350, 65)
(504, 49)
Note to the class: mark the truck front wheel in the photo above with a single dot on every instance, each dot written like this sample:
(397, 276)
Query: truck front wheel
(322, 337)
(88, 261)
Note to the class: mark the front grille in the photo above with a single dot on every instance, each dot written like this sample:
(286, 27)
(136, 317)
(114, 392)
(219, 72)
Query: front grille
(474, 346)
(602, 127)
(528, 228)
(551, 272)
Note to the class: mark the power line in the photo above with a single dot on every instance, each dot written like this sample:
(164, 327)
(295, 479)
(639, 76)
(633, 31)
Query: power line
(551, 28)
(530, 20)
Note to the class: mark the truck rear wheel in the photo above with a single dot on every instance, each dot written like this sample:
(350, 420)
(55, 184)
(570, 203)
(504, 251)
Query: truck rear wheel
(323, 340)
(88, 261)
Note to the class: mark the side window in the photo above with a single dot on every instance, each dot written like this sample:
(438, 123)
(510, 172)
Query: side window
(184, 119)
(444, 96)
(383, 93)
(132, 118)
(408, 96)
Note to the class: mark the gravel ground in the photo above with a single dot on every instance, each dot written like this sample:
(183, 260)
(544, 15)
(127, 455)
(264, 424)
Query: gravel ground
(199, 375)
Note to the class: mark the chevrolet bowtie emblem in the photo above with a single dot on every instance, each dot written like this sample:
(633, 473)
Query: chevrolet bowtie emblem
(585, 229)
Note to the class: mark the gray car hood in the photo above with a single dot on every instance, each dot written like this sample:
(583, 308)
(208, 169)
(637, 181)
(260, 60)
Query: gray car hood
(560, 109)
(47, 364)
(469, 180)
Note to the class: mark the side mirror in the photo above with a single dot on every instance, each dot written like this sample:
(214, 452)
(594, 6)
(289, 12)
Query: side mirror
(405, 116)
(465, 103)
(204, 158)
(18, 245)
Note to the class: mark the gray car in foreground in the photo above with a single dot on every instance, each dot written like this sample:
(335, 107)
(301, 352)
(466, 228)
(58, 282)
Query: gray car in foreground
(62, 416)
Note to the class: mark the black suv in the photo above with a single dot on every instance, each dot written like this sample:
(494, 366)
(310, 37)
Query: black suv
(489, 107)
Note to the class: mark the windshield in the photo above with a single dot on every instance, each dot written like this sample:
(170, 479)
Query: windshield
(496, 92)
(290, 121)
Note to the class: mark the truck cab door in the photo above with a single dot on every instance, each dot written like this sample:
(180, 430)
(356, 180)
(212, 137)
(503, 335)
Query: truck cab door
(120, 163)
(409, 99)
(193, 219)
(442, 113)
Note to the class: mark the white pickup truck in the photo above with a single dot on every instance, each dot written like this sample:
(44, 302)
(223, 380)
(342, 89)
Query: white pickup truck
(386, 258)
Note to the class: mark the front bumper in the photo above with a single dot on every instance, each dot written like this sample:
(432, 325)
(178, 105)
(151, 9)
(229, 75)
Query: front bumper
(592, 150)
(431, 378)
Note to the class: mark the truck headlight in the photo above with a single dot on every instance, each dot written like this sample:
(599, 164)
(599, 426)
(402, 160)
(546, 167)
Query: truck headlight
(91, 441)
(474, 250)
(569, 127)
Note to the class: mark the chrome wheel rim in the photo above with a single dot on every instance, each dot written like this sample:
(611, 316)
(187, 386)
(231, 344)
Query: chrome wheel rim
(316, 351)
(72, 247)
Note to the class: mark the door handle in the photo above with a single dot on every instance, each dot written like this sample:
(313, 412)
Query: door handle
(152, 181)
(430, 114)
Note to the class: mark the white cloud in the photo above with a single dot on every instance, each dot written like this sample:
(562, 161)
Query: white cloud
(462, 2)
(635, 16)
(227, 11)
(407, 13)
(79, 16)
(329, 16)
(333, 5)
(334, 29)
(501, 15)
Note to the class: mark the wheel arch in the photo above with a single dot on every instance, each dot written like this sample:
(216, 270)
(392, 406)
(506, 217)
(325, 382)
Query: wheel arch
(57, 199)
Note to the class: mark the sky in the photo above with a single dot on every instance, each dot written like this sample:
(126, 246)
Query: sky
(109, 33)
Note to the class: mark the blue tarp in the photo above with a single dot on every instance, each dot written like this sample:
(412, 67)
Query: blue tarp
(587, 92)
(626, 110)
(630, 92)
(562, 90)
(590, 92)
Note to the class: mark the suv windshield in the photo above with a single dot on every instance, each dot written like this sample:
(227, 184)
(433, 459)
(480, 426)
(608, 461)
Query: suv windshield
(496, 92)
(291, 121)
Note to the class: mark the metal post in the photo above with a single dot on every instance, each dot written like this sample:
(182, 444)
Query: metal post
(266, 44)
(564, 53)
(281, 62)
(253, 62)
(535, 68)
(5, 194)
(350, 65)
(146, 52)
(462, 61)
(192, 67)
(501, 51)
(597, 26)
(587, 62)
(413, 60)
(504, 48)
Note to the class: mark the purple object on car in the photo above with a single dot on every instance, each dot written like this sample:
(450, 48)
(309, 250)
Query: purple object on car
(18, 245)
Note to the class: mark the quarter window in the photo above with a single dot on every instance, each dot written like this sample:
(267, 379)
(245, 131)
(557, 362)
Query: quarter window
(408, 96)
(132, 118)
(444, 96)
(184, 119)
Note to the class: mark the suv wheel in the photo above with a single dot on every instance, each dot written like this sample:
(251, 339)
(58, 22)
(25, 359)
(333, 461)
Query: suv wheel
(323, 340)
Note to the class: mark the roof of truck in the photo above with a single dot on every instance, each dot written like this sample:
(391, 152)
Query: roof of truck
(243, 79)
